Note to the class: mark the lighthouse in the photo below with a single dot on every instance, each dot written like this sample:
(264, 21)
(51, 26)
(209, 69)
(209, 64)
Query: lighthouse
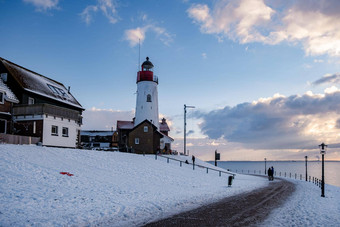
(147, 95)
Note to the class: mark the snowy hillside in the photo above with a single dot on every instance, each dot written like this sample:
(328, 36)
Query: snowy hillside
(105, 188)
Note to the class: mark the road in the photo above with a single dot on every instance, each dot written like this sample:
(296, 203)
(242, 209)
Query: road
(248, 209)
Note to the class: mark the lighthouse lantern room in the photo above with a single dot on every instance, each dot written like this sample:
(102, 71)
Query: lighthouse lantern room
(147, 95)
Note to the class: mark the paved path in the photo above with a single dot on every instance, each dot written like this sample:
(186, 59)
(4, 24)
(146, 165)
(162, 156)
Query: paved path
(247, 209)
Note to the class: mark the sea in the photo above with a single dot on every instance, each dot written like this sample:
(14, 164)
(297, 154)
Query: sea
(289, 169)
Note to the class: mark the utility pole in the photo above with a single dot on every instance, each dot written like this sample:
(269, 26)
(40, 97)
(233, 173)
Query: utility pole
(185, 126)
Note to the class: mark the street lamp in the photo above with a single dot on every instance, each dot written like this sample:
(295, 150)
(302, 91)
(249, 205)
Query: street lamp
(185, 127)
(323, 148)
(265, 166)
(306, 167)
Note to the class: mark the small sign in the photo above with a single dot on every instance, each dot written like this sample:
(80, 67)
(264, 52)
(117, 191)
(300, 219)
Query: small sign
(217, 156)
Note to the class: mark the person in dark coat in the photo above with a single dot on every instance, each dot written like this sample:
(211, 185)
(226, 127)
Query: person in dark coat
(193, 160)
(270, 174)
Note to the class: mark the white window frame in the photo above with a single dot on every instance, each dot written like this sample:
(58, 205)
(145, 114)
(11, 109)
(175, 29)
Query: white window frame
(146, 128)
(136, 140)
(54, 132)
(2, 97)
(34, 127)
(65, 134)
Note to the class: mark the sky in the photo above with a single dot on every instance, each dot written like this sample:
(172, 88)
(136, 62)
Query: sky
(263, 75)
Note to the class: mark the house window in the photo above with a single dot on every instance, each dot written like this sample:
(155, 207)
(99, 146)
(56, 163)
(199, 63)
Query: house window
(54, 130)
(3, 124)
(65, 132)
(146, 129)
(30, 101)
(57, 91)
(136, 140)
(2, 97)
(148, 98)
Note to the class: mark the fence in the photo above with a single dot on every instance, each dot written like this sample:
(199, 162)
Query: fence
(314, 180)
(194, 165)
(16, 139)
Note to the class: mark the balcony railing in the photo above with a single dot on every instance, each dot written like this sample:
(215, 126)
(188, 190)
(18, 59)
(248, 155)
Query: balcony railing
(41, 109)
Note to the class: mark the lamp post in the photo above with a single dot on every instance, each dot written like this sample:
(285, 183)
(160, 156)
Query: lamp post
(306, 167)
(323, 148)
(185, 127)
(265, 166)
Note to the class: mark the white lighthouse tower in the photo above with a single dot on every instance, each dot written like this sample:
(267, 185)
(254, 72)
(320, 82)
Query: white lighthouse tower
(147, 95)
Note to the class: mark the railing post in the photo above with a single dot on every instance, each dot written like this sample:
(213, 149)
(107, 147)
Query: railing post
(207, 170)
(300, 176)
(220, 173)
(155, 156)
(290, 175)
(285, 174)
(180, 163)
(167, 160)
(295, 176)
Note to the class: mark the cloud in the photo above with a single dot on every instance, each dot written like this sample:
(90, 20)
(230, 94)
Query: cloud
(104, 119)
(107, 7)
(314, 24)
(278, 122)
(43, 5)
(328, 78)
(138, 34)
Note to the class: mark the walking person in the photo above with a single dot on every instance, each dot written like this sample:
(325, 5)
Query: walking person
(269, 174)
(193, 160)
(272, 171)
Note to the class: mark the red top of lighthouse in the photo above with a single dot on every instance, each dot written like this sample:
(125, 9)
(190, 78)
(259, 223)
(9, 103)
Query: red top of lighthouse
(146, 74)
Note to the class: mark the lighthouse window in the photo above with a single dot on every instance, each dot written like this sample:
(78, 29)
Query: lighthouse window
(148, 98)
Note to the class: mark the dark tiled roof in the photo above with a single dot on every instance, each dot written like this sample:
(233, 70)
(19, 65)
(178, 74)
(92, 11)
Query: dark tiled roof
(39, 84)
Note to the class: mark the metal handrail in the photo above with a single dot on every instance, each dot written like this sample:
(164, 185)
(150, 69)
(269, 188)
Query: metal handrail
(208, 168)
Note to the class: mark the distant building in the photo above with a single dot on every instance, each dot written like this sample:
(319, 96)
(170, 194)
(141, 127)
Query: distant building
(145, 134)
(99, 139)
(46, 109)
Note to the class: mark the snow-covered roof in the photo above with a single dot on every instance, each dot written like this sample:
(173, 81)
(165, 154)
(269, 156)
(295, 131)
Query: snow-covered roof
(125, 125)
(163, 126)
(167, 137)
(39, 84)
(96, 133)
(9, 95)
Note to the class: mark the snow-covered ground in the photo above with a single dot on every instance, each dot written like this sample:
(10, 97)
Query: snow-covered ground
(120, 189)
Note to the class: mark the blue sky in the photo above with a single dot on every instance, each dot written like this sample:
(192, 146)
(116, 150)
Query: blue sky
(254, 69)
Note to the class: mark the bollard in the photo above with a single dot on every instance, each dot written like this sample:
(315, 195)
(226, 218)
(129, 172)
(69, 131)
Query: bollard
(156, 157)
(180, 163)
(309, 178)
(207, 170)
(167, 160)
(230, 181)
(220, 173)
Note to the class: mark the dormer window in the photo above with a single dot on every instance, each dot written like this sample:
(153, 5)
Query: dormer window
(148, 98)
